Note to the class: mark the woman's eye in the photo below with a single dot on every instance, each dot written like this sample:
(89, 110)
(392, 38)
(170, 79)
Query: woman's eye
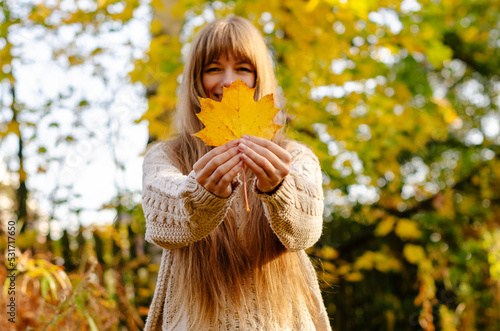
(212, 69)
(245, 69)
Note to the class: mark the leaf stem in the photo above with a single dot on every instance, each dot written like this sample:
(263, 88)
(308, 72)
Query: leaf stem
(245, 188)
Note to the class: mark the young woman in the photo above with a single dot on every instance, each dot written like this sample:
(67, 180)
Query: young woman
(224, 268)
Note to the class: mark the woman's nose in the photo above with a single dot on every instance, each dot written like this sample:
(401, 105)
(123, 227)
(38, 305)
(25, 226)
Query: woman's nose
(229, 78)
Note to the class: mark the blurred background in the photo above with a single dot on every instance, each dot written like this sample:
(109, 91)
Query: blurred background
(399, 100)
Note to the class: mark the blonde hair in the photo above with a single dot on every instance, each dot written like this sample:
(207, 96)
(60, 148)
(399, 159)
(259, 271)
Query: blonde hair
(220, 268)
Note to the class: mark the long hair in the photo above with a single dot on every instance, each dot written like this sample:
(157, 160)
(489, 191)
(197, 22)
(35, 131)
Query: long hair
(222, 268)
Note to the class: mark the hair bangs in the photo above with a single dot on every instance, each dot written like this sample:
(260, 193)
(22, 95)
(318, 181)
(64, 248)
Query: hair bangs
(228, 39)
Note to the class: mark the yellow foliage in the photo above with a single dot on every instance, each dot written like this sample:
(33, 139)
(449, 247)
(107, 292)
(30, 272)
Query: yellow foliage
(156, 27)
(447, 319)
(445, 107)
(76, 60)
(365, 261)
(311, 5)
(157, 5)
(378, 260)
(354, 277)
(385, 263)
(402, 93)
(329, 266)
(362, 8)
(40, 13)
(391, 319)
(437, 53)
(12, 127)
(491, 243)
(385, 226)
(344, 269)
(406, 229)
(328, 253)
(42, 275)
(414, 253)
(101, 3)
(470, 34)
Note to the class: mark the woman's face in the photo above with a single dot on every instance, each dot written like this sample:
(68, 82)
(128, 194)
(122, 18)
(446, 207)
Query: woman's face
(223, 71)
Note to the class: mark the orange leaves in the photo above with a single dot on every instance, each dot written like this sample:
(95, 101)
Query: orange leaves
(50, 279)
(237, 114)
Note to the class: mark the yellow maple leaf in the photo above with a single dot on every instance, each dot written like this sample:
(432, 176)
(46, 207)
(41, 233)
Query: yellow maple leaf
(237, 114)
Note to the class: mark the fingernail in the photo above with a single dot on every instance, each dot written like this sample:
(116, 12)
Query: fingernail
(245, 136)
(242, 146)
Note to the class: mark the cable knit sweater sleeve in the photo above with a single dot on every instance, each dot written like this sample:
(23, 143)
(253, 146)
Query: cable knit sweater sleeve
(295, 209)
(177, 209)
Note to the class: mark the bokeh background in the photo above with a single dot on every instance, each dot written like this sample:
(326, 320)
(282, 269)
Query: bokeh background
(399, 100)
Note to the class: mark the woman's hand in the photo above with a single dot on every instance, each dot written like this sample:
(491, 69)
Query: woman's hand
(216, 170)
(269, 162)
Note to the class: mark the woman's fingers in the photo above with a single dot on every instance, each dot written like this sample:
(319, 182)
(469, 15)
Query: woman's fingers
(224, 185)
(219, 182)
(208, 163)
(254, 167)
(268, 161)
(217, 173)
(265, 183)
(205, 159)
(280, 152)
(260, 154)
(217, 161)
(211, 169)
(224, 168)
(259, 165)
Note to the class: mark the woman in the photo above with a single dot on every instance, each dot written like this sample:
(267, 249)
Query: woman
(223, 268)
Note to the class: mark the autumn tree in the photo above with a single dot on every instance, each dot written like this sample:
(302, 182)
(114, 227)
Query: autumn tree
(46, 139)
(400, 102)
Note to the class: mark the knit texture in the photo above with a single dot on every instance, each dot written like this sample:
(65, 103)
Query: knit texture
(179, 211)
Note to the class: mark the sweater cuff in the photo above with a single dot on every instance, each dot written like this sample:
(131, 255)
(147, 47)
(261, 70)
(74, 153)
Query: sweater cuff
(282, 196)
(200, 197)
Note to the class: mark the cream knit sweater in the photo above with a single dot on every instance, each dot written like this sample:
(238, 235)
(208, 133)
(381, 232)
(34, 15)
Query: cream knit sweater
(179, 211)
